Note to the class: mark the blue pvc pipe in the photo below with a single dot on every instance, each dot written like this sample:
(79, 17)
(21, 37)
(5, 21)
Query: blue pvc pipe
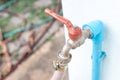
(97, 29)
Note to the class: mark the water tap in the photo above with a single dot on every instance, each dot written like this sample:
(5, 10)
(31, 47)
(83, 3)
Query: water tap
(77, 37)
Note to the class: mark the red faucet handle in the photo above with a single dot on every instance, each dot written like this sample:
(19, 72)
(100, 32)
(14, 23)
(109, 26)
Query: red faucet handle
(74, 33)
(58, 17)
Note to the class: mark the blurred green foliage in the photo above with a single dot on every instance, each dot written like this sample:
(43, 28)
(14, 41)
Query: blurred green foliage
(49, 37)
(0, 49)
(26, 6)
(21, 5)
(4, 21)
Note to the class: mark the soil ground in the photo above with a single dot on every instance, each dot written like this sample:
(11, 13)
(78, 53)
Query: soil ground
(39, 65)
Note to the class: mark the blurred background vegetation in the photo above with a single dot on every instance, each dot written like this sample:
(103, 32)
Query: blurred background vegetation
(22, 16)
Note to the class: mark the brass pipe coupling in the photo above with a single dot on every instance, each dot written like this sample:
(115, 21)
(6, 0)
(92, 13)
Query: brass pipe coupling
(61, 62)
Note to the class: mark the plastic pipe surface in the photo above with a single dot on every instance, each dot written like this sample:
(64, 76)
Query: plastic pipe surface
(97, 29)
(58, 75)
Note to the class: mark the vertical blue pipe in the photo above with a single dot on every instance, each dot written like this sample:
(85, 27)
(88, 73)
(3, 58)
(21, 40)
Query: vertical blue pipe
(97, 29)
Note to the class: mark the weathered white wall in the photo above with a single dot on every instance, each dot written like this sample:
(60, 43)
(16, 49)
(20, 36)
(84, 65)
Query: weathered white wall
(80, 12)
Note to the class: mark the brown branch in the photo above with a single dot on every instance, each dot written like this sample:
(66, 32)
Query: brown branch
(8, 64)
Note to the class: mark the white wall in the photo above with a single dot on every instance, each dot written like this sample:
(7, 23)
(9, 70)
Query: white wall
(80, 12)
